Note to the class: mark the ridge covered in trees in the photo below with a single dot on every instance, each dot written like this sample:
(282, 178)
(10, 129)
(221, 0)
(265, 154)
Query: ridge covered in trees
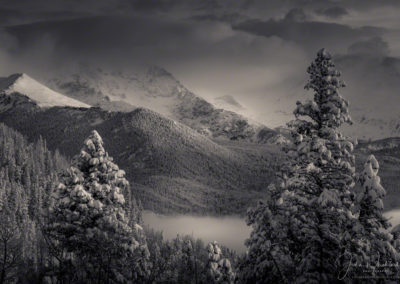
(321, 222)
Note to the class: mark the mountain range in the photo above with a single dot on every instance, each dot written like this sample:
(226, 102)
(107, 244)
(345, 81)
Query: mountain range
(172, 165)
(155, 88)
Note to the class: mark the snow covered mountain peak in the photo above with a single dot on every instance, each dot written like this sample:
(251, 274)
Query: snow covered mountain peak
(150, 87)
(42, 95)
(157, 71)
(154, 88)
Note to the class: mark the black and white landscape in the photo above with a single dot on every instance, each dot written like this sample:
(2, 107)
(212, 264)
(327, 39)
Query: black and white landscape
(173, 141)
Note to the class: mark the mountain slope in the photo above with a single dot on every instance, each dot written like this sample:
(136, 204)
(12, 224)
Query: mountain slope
(156, 89)
(42, 95)
(171, 167)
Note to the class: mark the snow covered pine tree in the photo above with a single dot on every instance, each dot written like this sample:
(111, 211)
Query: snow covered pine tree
(302, 234)
(380, 247)
(219, 268)
(89, 224)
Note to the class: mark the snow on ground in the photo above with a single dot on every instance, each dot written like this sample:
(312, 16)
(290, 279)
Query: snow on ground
(42, 95)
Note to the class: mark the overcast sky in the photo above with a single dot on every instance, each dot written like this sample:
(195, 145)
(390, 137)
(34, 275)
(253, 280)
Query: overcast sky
(255, 51)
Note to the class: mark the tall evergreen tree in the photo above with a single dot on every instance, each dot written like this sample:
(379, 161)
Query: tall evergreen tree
(88, 220)
(374, 224)
(313, 219)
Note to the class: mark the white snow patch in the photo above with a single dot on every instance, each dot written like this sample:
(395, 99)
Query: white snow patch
(42, 95)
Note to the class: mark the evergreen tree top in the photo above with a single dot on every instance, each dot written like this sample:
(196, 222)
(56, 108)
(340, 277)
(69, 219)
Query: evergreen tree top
(371, 167)
(94, 145)
(328, 108)
(372, 182)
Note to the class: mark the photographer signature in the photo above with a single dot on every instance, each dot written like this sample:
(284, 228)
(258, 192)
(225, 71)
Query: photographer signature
(371, 268)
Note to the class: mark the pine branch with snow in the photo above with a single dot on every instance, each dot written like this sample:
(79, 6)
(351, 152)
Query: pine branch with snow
(381, 245)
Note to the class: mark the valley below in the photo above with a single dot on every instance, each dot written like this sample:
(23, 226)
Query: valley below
(231, 231)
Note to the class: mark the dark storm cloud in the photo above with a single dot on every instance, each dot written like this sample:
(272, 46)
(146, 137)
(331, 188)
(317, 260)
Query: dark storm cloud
(154, 5)
(312, 35)
(332, 7)
(100, 31)
(166, 5)
(25, 11)
(247, 4)
(106, 38)
(226, 18)
(9, 17)
(296, 15)
(333, 12)
(347, 4)
(366, 4)
(208, 5)
(18, 12)
(129, 40)
(375, 46)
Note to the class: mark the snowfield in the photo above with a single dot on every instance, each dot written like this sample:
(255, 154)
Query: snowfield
(42, 95)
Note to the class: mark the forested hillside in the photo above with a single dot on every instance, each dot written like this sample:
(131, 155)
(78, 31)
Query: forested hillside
(171, 167)
(28, 174)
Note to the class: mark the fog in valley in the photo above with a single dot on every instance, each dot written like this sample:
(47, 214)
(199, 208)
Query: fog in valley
(231, 231)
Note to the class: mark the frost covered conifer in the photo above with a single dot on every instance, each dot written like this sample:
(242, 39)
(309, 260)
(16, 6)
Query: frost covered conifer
(311, 220)
(219, 268)
(89, 222)
(375, 226)
(268, 258)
